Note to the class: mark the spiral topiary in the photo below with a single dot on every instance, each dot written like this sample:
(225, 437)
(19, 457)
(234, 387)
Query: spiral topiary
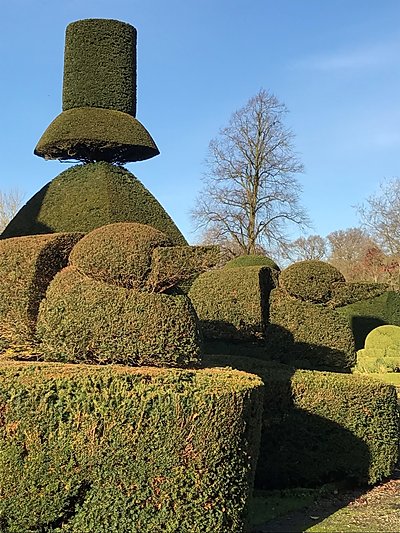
(310, 280)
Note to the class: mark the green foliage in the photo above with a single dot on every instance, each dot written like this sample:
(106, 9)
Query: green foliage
(27, 265)
(320, 427)
(85, 197)
(310, 280)
(366, 315)
(348, 293)
(119, 253)
(251, 260)
(100, 65)
(83, 320)
(383, 338)
(381, 352)
(179, 266)
(308, 333)
(92, 134)
(88, 449)
(232, 303)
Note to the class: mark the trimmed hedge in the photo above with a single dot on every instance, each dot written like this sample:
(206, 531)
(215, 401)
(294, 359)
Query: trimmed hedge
(308, 333)
(178, 266)
(348, 293)
(100, 65)
(381, 352)
(27, 265)
(251, 260)
(320, 427)
(93, 134)
(119, 253)
(114, 450)
(366, 315)
(232, 304)
(85, 197)
(310, 280)
(83, 320)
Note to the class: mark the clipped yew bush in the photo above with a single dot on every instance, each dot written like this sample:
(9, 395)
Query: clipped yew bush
(84, 320)
(381, 352)
(321, 427)
(112, 449)
(348, 293)
(232, 303)
(118, 253)
(85, 197)
(251, 260)
(179, 266)
(27, 265)
(308, 333)
(310, 281)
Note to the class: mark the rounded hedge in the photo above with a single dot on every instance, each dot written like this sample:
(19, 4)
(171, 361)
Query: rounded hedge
(83, 320)
(95, 134)
(251, 260)
(310, 280)
(119, 253)
(100, 65)
(387, 336)
(85, 197)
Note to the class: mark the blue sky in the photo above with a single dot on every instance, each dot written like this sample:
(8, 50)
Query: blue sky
(334, 63)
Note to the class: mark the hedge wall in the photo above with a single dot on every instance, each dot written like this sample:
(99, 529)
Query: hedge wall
(101, 450)
(305, 333)
(100, 65)
(83, 320)
(310, 281)
(251, 260)
(366, 315)
(85, 197)
(27, 265)
(119, 253)
(94, 134)
(233, 303)
(320, 427)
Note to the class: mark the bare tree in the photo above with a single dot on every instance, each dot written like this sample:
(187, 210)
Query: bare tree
(10, 202)
(380, 216)
(250, 191)
(305, 248)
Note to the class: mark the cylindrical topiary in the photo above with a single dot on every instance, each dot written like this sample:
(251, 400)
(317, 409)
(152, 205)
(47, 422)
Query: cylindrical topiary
(99, 97)
(85, 197)
(83, 320)
(311, 281)
(118, 254)
(251, 260)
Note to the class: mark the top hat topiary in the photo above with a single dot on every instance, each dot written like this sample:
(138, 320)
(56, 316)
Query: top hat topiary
(99, 97)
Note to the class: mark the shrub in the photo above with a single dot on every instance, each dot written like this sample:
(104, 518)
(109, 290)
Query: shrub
(320, 427)
(308, 334)
(27, 265)
(92, 134)
(381, 352)
(118, 253)
(83, 320)
(366, 315)
(310, 281)
(85, 197)
(179, 266)
(251, 260)
(348, 293)
(97, 449)
(232, 303)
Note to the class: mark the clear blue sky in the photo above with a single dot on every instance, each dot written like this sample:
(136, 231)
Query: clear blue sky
(334, 63)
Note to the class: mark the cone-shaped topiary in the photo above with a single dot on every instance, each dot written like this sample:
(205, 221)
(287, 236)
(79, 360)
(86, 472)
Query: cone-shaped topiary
(118, 254)
(311, 280)
(85, 197)
(99, 97)
(251, 260)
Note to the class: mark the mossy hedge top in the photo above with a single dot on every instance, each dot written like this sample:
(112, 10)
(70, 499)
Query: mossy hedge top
(99, 98)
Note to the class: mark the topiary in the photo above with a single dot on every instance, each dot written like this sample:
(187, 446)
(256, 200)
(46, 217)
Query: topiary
(381, 352)
(83, 320)
(251, 260)
(350, 292)
(311, 280)
(85, 197)
(308, 334)
(119, 253)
